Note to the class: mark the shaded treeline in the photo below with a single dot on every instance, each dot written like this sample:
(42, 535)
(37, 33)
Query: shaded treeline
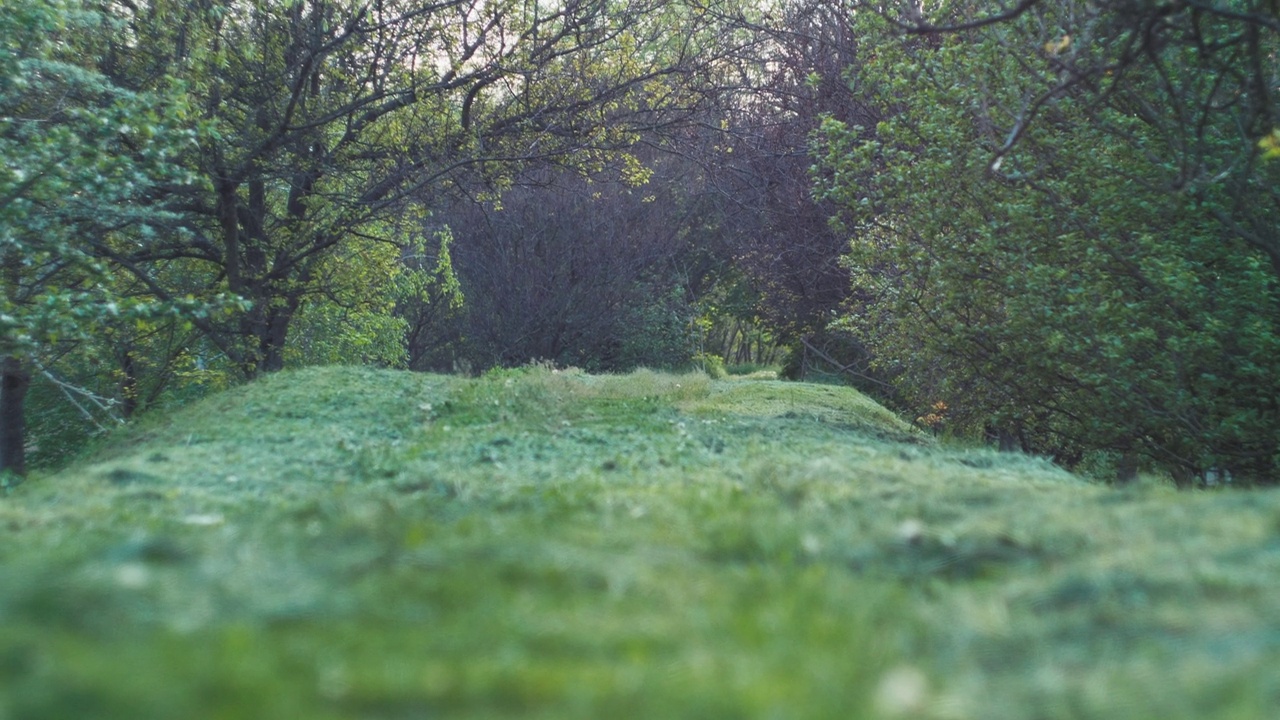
(1049, 225)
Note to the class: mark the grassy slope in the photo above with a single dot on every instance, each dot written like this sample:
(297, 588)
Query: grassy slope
(347, 543)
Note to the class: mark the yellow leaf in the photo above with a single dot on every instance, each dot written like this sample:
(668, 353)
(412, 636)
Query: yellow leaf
(1055, 47)
(1270, 145)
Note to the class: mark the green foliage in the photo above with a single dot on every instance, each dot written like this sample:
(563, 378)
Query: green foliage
(753, 370)
(85, 160)
(657, 334)
(1270, 145)
(328, 137)
(1055, 290)
(372, 292)
(712, 365)
(80, 157)
(730, 325)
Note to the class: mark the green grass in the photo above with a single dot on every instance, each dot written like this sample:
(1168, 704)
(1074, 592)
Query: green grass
(352, 543)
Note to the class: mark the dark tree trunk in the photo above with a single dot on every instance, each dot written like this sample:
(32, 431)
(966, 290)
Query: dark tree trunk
(1127, 468)
(276, 332)
(267, 327)
(15, 380)
(129, 390)
(1184, 477)
(228, 218)
(1010, 440)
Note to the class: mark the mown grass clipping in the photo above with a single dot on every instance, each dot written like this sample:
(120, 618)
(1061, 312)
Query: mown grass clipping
(353, 543)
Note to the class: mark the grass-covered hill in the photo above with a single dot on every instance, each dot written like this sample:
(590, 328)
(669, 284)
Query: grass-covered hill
(350, 543)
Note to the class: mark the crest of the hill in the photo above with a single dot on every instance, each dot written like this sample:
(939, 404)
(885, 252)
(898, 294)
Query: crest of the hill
(339, 426)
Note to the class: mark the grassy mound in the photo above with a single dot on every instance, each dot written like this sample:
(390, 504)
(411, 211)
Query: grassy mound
(351, 543)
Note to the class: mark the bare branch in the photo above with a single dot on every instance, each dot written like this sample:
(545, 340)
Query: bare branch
(915, 27)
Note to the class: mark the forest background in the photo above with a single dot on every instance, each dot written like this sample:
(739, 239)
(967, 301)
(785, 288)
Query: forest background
(1045, 225)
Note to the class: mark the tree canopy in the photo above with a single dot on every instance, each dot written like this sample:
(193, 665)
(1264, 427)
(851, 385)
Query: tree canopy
(83, 161)
(1048, 225)
(1061, 226)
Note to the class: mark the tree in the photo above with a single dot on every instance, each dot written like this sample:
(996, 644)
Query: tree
(1199, 75)
(1053, 253)
(331, 121)
(781, 238)
(81, 157)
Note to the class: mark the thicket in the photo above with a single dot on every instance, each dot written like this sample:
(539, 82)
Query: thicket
(1060, 228)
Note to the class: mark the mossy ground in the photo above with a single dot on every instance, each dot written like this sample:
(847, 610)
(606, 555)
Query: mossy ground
(352, 543)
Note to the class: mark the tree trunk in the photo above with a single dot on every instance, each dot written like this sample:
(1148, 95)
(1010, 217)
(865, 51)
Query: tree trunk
(15, 380)
(128, 385)
(731, 336)
(228, 219)
(269, 328)
(1184, 477)
(272, 342)
(1127, 468)
(1008, 440)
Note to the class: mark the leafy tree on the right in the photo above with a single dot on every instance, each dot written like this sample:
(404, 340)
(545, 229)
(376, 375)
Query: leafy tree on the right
(1066, 225)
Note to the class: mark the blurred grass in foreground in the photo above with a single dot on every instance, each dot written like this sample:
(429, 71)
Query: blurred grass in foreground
(352, 543)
